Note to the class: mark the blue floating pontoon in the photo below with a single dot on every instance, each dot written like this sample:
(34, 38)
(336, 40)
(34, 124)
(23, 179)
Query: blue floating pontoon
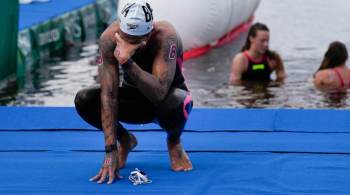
(48, 150)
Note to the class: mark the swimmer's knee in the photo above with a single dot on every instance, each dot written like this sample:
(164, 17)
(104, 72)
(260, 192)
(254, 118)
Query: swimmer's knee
(85, 97)
(173, 114)
(178, 103)
(79, 98)
(173, 100)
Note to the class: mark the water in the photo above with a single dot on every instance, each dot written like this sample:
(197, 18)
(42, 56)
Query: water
(55, 84)
(300, 32)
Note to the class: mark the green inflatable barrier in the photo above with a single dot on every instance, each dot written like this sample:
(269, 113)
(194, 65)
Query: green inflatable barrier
(8, 40)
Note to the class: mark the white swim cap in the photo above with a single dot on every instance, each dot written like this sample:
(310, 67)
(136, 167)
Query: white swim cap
(136, 18)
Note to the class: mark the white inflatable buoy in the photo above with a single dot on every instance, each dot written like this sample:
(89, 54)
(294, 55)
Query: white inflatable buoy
(202, 22)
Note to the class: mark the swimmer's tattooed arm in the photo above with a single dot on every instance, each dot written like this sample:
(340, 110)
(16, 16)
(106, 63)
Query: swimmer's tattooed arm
(109, 93)
(109, 89)
(155, 86)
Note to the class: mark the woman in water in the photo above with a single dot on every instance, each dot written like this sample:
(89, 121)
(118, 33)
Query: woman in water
(333, 75)
(256, 61)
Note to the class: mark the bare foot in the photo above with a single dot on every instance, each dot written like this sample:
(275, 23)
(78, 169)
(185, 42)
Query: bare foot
(179, 158)
(126, 145)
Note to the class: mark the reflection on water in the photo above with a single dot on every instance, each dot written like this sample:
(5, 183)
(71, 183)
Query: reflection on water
(55, 83)
(301, 40)
(335, 100)
(257, 93)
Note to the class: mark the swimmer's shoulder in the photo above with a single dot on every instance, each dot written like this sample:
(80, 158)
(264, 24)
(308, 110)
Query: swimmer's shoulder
(323, 77)
(240, 59)
(164, 29)
(110, 31)
(107, 41)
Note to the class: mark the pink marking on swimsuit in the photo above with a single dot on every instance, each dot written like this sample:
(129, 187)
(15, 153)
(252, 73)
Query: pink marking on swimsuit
(187, 101)
(179, 61)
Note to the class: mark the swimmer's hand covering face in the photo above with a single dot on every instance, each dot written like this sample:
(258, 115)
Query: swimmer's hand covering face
(124, 50)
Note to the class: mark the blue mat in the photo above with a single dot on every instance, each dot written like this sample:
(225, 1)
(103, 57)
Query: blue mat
(155, 141)
(35, 13)
(261, 120)
(234, 151)
(214, 173)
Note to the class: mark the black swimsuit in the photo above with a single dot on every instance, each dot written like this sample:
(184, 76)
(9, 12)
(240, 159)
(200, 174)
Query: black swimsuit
(257, 70)
(134, 107)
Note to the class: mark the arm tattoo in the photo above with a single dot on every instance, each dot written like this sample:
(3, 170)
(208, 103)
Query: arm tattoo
(170, 50)
(109, 90)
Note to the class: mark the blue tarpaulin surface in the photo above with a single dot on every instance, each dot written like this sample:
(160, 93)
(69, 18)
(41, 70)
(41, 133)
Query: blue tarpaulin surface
(274, 120)
(35, 13)
(48, 150)
(214, 173)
